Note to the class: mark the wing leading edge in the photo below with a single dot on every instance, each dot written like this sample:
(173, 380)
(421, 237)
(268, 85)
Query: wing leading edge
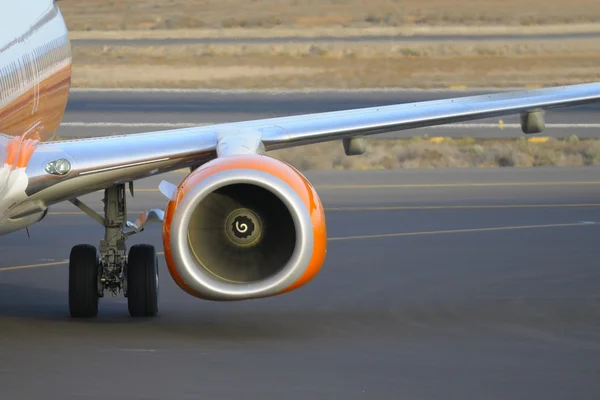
(314, 128)
(99, 162)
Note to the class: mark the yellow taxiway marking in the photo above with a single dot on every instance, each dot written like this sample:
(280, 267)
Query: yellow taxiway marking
(538, 139)
(459, 185)
(468, 230)
(391, 208)
(50, 264)
(438, 185)
(465, 207)
(385, 235)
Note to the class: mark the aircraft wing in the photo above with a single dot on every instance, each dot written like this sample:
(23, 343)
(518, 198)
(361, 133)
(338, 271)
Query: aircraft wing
(293, 131)
(99, 162)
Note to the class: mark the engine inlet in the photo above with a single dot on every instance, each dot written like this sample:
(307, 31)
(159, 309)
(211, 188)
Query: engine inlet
(242, 233)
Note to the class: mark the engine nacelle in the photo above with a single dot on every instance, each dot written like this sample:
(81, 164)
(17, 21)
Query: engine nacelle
(243, 227)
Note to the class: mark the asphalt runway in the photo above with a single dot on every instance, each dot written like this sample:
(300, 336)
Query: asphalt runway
(324, 39)
(105, 112)
(454, 284)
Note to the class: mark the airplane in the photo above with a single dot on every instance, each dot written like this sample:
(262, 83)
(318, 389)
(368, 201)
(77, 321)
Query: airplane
(241, 225)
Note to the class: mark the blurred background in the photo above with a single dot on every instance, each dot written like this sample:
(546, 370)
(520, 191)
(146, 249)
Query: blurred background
(443, 48)
(333, 43)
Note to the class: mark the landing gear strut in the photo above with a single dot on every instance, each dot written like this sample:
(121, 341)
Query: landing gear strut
(92, 274)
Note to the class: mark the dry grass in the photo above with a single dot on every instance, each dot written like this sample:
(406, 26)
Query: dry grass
(180, 76)
(309, 14)
(177, 54)
(460, 153)
(339, 65)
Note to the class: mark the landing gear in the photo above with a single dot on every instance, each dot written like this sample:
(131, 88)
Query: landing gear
(83, 281)
(142, 281)
(91, 275)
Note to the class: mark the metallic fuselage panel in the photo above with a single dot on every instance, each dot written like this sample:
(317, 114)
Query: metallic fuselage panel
(35, 69)
(35, 76)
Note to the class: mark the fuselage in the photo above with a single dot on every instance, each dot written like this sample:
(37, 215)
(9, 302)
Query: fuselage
(35, 69)
(35, 76)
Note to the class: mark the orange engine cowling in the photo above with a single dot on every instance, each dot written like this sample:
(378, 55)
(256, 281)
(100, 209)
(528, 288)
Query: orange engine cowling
(243, 227)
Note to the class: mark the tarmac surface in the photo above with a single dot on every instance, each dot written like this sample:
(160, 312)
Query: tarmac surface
(453, 284)
(324, 39)
(104, 112)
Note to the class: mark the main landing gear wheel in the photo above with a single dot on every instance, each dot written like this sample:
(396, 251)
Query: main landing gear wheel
(83, 281)
(142, 281)
(110, 269)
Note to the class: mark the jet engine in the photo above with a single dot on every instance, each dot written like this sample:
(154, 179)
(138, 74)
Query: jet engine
(243, 227)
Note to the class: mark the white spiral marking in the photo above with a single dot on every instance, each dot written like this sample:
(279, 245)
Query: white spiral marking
(241, 228)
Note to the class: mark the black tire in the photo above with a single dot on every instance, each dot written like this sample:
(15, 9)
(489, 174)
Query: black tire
(142, 281)
(83, 281)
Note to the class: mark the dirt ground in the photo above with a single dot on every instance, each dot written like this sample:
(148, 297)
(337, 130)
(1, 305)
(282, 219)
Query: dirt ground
(335, 64)
(339, 65)
(309, 14)
(448, 153)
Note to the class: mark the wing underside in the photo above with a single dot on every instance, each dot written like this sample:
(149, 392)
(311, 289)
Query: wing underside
(100, 162)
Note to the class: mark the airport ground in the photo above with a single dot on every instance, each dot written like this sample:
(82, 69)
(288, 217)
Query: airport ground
(454, 283)
(443, 283)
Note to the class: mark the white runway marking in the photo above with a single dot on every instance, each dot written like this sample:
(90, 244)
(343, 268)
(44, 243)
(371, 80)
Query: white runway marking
(468, 230)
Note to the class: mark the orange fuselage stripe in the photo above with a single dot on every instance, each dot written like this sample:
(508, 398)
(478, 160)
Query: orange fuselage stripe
(17, 118)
